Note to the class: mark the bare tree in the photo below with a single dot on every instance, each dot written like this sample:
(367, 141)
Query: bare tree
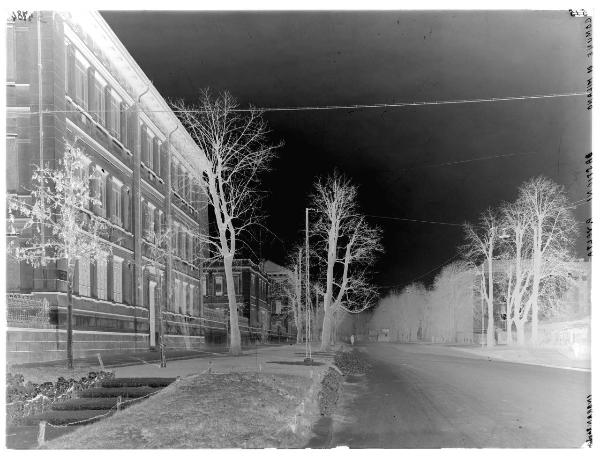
(237, 153)
(538, 231)
(292, 290)
(553, 231)
(57, 223)
(480, 249)
(347, 245)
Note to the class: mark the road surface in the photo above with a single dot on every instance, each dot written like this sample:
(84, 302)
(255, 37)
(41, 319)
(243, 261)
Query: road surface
(424, 396)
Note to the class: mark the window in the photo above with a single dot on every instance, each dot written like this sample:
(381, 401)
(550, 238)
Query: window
(191, 300)
(125, 208)
(81, 84)
(204, 286)
(252, 284)
(177, 295)
(84, 277)
(115, 115)
(99, 109)
(159, 228)
(149, 150)
(10, 53)
(218, 285)
(190, 247)
(277, 306)
(101, 265)
(12, 157)
(117, 279)
(100, 191)
(237, 283)
(150, 221)
(184, 302)
(116, 202)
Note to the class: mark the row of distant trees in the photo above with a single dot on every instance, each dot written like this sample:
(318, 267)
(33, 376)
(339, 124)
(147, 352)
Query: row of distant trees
(436, 313)
(519, 255)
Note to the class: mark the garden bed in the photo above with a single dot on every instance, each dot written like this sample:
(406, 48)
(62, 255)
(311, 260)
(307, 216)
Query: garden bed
(233, 410)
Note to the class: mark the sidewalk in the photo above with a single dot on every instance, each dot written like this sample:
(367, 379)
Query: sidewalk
(548, 357)
(39, 372)
(286, 359)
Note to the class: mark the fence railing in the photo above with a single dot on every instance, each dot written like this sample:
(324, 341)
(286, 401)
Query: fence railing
(27, 310)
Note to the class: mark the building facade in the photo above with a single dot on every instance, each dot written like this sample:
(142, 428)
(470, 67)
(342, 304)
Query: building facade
(252, 294)
(281, 319)
(69, 79)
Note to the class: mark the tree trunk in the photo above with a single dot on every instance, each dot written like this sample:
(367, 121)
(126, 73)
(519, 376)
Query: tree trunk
(326, 331)
(235, 347)
(520, 332)
(509, 340)
(490, 302)
(70, 274)
(161, 330)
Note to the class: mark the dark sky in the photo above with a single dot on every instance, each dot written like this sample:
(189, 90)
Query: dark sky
(395, 155)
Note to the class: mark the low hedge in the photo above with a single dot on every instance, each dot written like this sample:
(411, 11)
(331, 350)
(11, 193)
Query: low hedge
(85, 403)
(137, 382)
(329, 394)
(67, 417)
(125, 392)
(351, 362)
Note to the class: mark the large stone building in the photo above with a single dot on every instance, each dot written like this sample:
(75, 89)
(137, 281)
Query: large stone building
(69, 79)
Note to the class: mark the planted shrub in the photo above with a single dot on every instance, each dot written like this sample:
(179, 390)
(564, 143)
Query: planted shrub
(351, 362)
(24, 399)
(330, 392)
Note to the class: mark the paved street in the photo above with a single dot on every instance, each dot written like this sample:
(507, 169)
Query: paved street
(421, 396)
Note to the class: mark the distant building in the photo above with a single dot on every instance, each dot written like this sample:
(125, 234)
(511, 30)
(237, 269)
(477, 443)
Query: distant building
(252, 290)
(281, 320)
(92, 93)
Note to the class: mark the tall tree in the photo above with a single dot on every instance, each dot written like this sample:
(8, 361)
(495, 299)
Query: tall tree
(57, 224)
(234, 142)
(480, 249)
(347, 246)
(538, 231)
(292, 289)
(553, 231)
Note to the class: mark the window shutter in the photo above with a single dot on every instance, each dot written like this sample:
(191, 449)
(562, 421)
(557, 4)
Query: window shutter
(92, 97)
(71, 71)
(75, 285)
(107, 113)
(126, 266)
(109, 211)
(125, 207)
(124, 136)
(93, 279)
(155, 155)
(109, 279)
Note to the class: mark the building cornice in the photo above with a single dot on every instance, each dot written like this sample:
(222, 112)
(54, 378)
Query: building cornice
(153, 104)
